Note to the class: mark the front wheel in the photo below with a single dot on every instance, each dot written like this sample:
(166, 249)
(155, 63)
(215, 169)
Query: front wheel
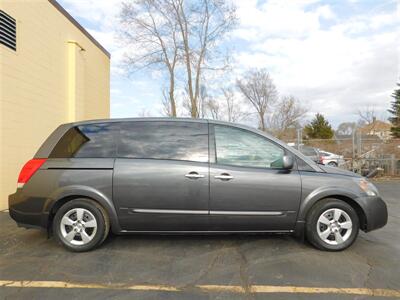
(81, 225)
(332, 225)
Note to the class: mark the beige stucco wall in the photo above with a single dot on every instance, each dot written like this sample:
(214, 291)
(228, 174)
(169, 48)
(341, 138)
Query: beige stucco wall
(48, 81)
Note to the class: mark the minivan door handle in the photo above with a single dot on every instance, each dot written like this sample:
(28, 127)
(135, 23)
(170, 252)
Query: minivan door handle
(194, 175)
(224, 176)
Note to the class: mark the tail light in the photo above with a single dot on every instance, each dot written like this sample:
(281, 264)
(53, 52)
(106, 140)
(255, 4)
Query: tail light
(28, 170)
(320, 160)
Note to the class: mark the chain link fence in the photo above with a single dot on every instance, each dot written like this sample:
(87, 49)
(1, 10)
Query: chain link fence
(358, 153)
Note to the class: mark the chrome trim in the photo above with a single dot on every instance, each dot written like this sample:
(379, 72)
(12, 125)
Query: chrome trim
(192, 175)
(246, 213)
(206, 212)
(224, 177)
(170, 211)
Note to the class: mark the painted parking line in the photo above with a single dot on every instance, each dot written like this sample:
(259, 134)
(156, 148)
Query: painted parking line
(71, 285)
(301, 290)
(256, 289)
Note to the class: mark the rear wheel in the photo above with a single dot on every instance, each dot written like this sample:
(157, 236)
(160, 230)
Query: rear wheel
(332, 225)
(332, 164)
(81, 225)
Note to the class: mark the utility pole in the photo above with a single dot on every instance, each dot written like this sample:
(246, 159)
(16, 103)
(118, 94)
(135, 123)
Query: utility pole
(299, 138)
(353, 149)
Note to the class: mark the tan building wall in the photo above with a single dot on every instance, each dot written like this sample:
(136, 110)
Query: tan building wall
(58, 74)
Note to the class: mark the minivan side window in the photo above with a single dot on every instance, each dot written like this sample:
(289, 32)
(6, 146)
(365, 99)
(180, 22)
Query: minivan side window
(164, 140)
(239, 147)
(87, 141)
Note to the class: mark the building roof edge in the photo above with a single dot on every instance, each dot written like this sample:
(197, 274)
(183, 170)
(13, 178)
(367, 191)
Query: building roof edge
(79, 26)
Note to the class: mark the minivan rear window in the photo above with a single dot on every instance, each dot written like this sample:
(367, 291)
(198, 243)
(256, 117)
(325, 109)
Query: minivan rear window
(91, 140)
(151, 140)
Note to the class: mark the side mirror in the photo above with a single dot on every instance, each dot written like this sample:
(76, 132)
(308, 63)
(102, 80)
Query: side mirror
(288, 162)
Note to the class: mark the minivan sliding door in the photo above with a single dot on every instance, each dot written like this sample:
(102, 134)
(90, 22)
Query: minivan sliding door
(161, 176)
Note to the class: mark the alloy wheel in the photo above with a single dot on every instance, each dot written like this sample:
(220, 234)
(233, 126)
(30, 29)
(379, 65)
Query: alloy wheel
(334, 226)
(78, 226)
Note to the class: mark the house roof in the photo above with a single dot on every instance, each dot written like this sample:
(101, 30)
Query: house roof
(376, 126)
(79, 26)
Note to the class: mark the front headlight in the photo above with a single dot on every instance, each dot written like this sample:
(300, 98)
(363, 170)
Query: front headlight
(367, 187)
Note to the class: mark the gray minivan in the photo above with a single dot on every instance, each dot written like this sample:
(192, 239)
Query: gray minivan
(164, 175)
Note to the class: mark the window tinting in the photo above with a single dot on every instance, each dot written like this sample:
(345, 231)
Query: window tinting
(92, 140)
(243, 148)
(8, 35)
(164, 140)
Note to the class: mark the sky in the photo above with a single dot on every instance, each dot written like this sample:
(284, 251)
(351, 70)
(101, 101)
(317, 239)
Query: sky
(337, 57)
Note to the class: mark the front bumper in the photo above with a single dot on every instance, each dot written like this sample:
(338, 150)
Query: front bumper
(27, 211)
(375, 212)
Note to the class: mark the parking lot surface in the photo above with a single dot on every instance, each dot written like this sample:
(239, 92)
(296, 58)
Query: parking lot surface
(203, 267)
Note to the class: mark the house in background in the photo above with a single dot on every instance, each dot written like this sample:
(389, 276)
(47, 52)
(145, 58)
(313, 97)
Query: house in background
(52, 71)
(377, 128)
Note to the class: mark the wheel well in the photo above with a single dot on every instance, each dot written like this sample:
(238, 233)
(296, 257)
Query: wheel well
(360, 213)
(61, 202)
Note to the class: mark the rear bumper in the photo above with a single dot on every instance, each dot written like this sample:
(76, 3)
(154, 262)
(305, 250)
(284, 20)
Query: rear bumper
(27, 211)
(375, 212)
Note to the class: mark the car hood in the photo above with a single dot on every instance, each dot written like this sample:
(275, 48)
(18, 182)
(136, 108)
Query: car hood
(339, 171)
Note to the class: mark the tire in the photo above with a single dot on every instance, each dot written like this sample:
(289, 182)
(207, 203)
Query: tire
(332, 164)
(81, 225)
(337, 214)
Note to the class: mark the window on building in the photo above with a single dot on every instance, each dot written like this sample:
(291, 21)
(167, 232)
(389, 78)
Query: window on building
(8, 31)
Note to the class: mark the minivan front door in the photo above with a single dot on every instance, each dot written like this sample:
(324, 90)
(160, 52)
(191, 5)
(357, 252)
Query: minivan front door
(249, 189)
(161, 176)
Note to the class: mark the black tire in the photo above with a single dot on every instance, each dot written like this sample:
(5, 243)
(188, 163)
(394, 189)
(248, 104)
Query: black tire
(312, 219)
(332, 164)
(99, 213)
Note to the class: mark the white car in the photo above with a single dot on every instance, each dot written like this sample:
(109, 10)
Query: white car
(331, 159)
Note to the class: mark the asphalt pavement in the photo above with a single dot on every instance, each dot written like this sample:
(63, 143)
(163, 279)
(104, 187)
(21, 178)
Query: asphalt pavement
(203, 267)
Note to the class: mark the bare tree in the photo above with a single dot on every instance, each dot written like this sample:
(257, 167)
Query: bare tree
(150, 28)
(143, 113)
(287, 114)
(224, 106)
(202, 106)
(168, 33)
(214, 109)
(346, 128)
(234, 111)
(202, 24)
(367, 116)
(203, 99)
(167, 108)
(258, 88)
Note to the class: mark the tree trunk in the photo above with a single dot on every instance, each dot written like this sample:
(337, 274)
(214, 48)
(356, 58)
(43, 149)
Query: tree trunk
(193, 103)
(262, 121)
(185, 37)
(172, 96)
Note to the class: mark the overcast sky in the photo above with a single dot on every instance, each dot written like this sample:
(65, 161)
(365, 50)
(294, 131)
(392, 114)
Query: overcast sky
(335, 56)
